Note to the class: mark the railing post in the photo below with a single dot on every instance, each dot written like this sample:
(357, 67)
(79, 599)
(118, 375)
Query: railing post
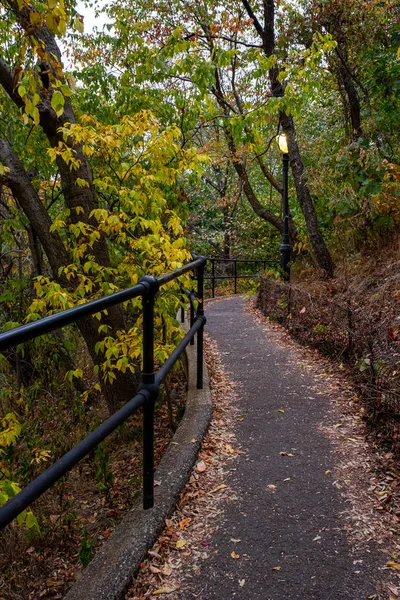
(213, 277)
(151, 286)
(191, 308)
(200, 315)
(235, 274)
(182, 314)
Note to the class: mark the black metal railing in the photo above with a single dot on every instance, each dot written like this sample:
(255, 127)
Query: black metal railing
(232, 264)
(147, 288)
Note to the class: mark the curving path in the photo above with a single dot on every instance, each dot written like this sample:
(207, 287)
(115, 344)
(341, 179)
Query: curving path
(298, 525)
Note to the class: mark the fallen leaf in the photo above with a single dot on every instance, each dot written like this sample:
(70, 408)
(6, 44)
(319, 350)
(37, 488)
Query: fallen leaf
(234, 555)
(201, 466)
(271, 487)
(154, 569)
(276, 568)
(393, 565)
(164, 590)
(235, 541)
(217, 489)
(317, 538)
(194, 441)
(180, 544)
(54, 583)
(327, 472)
(287, 479)
(242, 582)
(281, 410)
(184, 523)
(286, 454)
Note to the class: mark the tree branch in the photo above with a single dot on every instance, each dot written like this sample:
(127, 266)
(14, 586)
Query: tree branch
(252, 16)
(6, 81)
(18, 181)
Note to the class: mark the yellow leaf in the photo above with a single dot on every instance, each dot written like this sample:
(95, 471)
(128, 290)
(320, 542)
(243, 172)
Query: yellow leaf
(180, 544)
(242, 582)
(81, 183)
(164, 590)
(393, 565)
(234, 555)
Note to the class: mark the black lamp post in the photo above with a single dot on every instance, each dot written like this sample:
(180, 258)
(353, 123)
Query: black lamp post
(285, 246)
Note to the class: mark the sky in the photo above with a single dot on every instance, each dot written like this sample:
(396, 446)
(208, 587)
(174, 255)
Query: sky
(89, 18)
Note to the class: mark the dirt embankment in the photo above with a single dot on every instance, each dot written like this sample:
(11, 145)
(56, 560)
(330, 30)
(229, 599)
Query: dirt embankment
(354, 318)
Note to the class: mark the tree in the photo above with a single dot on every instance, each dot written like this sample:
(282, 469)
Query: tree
(266, 33)
(124, 202)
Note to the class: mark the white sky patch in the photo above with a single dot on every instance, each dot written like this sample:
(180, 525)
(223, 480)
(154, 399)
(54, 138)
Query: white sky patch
(89, 12)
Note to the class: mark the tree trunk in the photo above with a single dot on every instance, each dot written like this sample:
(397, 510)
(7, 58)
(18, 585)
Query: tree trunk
(239, 167)
(74, 195)
(19, 183)
(267, 35)
(344, 74)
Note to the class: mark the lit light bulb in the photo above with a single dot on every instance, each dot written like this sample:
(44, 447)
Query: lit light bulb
(282, 143)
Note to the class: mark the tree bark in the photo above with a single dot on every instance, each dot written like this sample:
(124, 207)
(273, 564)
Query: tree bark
(241, 170)
(267, 35)
(20, 184)
(74, 195)
(344, 73)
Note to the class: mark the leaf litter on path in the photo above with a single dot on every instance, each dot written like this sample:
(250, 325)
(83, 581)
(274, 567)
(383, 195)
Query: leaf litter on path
(366, 476)
(200, 505)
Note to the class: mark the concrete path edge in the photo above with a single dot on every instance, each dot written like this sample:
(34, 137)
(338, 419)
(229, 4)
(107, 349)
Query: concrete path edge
(110, 574)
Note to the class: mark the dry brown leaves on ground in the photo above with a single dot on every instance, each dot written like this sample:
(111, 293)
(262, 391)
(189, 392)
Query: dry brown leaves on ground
(75, 517)
(184, 542)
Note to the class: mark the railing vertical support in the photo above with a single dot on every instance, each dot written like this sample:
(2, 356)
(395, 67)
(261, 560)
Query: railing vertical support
(213, 277)
(182, 314)
(148, 382)
(235, 274)
(191, 308)
(200, 315)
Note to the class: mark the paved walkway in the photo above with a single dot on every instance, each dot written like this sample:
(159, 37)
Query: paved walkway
(297, 527)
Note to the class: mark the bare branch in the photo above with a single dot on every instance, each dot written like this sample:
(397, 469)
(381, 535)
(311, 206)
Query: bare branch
(252, 16)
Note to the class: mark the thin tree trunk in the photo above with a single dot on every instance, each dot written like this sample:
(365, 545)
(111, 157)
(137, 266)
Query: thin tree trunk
(267, 35)
(123, 388)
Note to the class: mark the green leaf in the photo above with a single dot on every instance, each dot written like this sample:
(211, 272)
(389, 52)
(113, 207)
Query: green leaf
(57, 103)
(31, 520)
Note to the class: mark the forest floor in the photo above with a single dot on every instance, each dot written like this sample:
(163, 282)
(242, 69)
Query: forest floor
(286, 498)
(80, 512)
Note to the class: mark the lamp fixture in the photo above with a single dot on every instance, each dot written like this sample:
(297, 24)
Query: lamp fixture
(281, 140)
